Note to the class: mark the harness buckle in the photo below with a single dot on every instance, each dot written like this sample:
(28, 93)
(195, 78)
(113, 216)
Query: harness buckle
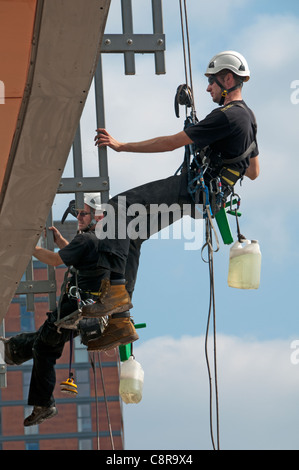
(233, 202)
(75, 295)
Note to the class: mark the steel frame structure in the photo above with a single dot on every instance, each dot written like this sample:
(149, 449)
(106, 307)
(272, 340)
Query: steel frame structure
(128, 44)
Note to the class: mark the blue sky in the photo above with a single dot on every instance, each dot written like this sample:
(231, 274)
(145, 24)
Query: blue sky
(258, 384)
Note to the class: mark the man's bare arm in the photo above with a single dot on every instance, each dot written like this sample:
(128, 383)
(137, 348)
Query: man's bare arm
(47, 256)
(155, 145)
(253, 170)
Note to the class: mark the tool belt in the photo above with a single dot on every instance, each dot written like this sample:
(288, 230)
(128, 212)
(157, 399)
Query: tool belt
(72, 288)
(229, 176)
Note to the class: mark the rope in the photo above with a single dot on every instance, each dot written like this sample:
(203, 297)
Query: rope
(185, 54)
(212, 309)
(71, 353)
(105, 399)
(195, 186)
(93, 365)
(62, 292)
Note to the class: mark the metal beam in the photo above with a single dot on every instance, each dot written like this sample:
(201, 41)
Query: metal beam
(138, 43)
(130, 44)
(87, 184)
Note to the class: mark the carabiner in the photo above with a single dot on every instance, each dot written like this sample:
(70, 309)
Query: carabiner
(74, 296)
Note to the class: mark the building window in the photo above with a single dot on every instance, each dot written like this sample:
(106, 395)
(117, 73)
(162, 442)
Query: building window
(83, 383)
(84, 418)
(85, 444)
(32, 446)
(26, 383)
(81, 353)
(27, 319)
(29, 429)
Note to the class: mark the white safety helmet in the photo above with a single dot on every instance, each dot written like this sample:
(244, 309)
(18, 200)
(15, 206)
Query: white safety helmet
(93, 200)
(230, 60)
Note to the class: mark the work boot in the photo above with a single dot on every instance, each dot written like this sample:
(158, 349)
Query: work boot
(113, 298)
(7, 354)
(40, 414)
(118, 331)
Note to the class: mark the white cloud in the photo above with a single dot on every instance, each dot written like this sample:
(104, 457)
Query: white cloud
(274, 43)
(257, 395)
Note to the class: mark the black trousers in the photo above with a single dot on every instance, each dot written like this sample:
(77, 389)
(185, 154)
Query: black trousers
(118, 251)
(44, 346)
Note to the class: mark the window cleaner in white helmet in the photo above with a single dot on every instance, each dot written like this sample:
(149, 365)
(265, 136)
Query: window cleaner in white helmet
(94, 202)
(224, 62)
(229, 133)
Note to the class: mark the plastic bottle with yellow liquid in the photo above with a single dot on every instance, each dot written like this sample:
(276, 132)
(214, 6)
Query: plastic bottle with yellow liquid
(131, 381)
(245, 265)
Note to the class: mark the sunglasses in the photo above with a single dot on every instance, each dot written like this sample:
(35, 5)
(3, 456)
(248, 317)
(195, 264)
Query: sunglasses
(82, 213)
(211, 79)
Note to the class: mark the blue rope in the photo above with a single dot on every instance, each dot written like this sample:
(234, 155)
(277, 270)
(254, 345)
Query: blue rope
(197, 184)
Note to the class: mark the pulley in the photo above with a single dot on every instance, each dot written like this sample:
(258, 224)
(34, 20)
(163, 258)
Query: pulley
(183, 97)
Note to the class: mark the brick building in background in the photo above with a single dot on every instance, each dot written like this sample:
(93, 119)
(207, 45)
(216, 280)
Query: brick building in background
(76, 426)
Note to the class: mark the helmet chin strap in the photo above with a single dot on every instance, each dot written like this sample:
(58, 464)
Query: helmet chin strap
(225, 92)
(92, 223)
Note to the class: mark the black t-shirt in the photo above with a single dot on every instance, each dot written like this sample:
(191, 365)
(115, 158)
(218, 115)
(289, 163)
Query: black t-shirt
(82, 254)
(228, 130)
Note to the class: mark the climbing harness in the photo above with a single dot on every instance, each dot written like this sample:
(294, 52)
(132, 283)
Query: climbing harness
(75, 319)
(216, 169)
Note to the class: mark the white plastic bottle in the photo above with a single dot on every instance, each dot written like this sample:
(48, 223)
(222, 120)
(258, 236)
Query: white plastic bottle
(131, 381)
(245, 265)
